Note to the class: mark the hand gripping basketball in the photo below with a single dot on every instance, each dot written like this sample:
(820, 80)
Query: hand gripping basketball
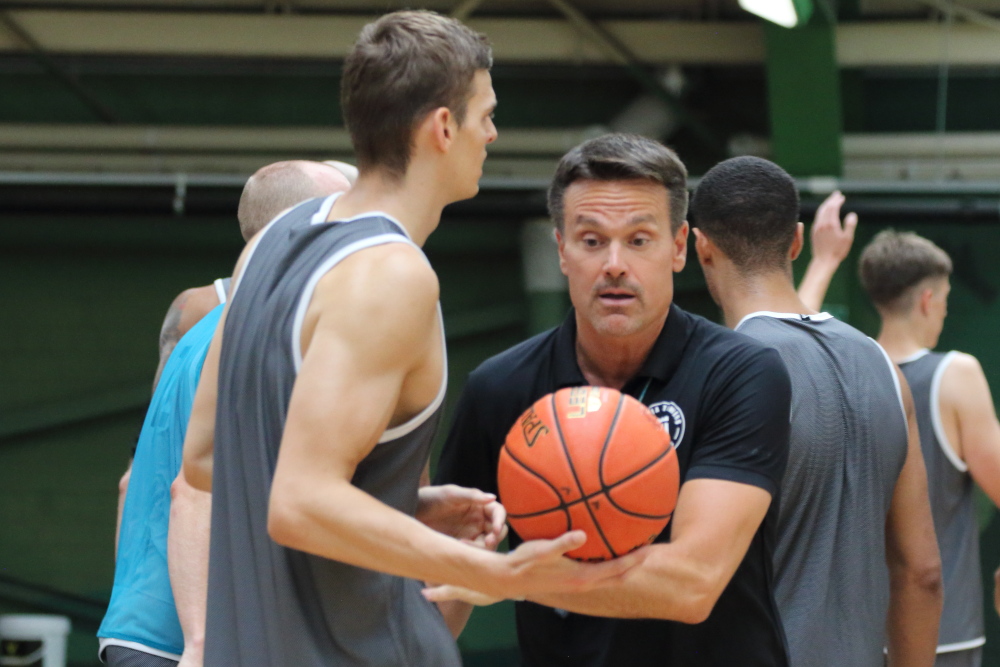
(593, 459)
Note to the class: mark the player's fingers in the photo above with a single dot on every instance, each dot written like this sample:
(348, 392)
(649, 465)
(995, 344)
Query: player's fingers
(850, 224)
(496, 515)
(456, 492)
(616, 567)
(574, 539)
(446, 593)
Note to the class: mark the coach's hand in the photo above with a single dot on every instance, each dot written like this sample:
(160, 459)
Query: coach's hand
(470, 515)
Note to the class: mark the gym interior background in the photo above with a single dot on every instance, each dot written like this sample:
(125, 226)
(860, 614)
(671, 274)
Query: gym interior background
(128, 128)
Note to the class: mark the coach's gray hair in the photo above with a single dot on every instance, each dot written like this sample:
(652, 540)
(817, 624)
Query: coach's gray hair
(281, 185)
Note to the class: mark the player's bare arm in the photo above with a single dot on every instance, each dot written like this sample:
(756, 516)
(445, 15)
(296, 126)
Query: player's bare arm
(199, 441)
(713, 524)
(970, 422)
(831, 242)
(913, 558)
(361, 375)
(187, 560)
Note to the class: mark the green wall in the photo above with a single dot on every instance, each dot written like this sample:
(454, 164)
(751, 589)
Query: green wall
(83, 299)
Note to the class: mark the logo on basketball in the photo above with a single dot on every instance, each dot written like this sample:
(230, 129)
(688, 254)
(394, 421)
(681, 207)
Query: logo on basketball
(672, 418)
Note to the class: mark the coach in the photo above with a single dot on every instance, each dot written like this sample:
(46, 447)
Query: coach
(702, 594)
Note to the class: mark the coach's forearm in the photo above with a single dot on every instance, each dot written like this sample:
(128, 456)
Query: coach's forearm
(338, 521)
(914, 616)
(667, 584)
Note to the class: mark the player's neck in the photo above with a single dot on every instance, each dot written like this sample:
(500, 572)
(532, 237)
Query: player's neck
(741, 295)
(408, 200)
(611, 361)
(901, 337)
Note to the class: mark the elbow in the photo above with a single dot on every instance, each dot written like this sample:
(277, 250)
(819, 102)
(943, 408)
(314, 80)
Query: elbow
(702, 594)
(197, 474)
(930, 580)
(699, 608)
(924, 578)
(285, 519)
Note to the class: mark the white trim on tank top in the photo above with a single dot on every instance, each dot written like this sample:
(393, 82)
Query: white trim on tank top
(895, 381)
(939, 431)
(324, 212)
(961, 646)
(300, 315)
(818, 317)
(105, 642)
(220, 289)
(919, 354)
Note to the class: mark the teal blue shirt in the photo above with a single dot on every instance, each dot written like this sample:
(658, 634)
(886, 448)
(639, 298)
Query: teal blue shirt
(142, 607)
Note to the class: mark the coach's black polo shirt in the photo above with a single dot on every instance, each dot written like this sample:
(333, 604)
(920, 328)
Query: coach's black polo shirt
(725, 400)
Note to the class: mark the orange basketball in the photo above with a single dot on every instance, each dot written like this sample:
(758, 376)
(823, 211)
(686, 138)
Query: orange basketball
(594, 459)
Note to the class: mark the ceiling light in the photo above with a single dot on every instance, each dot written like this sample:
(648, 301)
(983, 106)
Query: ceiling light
(787, 13)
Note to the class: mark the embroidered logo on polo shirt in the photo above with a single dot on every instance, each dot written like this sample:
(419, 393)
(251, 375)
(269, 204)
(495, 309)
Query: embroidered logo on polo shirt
(672, 418)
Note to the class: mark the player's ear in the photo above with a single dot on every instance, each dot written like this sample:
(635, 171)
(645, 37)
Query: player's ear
(704, 247)
(440, 128)
(798, 242)
(681, 247)
(924, 301)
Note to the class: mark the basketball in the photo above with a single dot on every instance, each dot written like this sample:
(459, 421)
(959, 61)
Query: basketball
(593, 459)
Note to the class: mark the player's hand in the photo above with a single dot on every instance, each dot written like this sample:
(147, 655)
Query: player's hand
(470, 515)
(996, 590)
(540, 566)
(831, 241)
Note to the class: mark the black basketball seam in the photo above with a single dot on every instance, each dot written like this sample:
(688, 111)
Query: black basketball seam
(572, 469)
(606, 490)
(562, 506)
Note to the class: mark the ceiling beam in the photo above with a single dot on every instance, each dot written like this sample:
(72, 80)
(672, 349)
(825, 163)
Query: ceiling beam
(515, 40)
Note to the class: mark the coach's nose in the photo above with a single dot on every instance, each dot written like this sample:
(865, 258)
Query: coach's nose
(614, 263)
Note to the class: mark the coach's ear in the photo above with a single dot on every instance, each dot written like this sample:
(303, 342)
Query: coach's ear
(798, 242)
(704, 247)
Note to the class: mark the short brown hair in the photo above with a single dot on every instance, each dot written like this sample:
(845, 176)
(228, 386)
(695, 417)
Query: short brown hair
(622, 157)
(894, 263)
(403, 66)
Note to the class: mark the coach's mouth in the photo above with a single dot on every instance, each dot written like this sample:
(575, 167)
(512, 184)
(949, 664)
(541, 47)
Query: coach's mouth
(616, 297)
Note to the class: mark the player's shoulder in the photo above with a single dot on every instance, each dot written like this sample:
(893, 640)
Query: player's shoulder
(962, 373)
(192, 305)
(390, 272)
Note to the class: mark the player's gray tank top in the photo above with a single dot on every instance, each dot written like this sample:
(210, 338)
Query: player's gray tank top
(847, 447)
(270, 606)
(953, 508)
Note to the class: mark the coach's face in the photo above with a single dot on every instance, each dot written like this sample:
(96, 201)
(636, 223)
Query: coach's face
(619, 254)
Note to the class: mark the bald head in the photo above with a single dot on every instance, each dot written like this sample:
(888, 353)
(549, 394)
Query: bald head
(281, 185)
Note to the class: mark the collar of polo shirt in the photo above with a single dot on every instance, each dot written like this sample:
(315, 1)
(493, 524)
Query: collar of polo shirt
(661, 363)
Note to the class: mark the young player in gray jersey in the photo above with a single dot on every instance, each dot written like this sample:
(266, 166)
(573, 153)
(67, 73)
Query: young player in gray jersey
(323, 388)
(856, 557)
(906, 277)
